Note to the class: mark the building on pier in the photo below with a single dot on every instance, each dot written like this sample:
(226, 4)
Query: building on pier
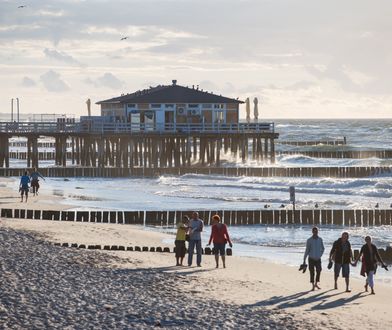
(164, 106)
(162, 127)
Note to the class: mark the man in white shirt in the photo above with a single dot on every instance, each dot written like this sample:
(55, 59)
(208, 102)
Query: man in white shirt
(314, 250)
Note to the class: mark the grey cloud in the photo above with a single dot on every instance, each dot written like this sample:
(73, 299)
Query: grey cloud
(61, 56)
(53, 82)
(28, 82)
(107, 80)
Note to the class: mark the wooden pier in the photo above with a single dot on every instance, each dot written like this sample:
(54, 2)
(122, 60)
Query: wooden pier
(121, 145)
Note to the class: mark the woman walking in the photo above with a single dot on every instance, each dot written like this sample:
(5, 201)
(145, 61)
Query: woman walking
(370, 257)
(220, 236)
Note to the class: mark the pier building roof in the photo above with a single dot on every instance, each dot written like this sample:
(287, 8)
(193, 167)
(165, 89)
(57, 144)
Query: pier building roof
(171, 94)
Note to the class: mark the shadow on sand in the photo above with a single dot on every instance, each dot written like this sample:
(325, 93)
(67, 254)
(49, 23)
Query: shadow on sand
(319, 301)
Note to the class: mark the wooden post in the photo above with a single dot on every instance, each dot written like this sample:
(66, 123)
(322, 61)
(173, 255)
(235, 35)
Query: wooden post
(272, 140)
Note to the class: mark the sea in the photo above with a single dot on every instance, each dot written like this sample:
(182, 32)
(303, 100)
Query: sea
(277, 243)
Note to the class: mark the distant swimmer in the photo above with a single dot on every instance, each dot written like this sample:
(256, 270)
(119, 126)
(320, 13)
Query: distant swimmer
(370, 257)
(23, 6)
(24, 186)
(266, 206)
(124, 38)
(314, 250)
(282, 206)
(35, 175)
(316, 206)
(376, 206)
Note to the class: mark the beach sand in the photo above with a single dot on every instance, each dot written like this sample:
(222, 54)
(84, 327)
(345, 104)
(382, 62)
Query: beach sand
(253, 292)
(46, 286)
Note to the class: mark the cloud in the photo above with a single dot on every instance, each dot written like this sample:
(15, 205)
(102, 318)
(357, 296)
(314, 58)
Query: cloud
(28, 82)
(107, 80)
(61, 56)
(53, 82)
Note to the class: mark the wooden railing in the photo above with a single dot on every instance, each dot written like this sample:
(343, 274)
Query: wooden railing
(120, 127)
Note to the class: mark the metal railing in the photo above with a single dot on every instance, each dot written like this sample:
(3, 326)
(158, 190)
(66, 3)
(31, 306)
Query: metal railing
(120, 127)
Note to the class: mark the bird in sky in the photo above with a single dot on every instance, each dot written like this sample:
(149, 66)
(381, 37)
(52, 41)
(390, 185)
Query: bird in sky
(24, 6)
(124, 38)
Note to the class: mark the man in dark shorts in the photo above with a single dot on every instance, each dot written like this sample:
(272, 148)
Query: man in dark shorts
(342, 254)
(182, 229)
(24, 186)
(34, 177)
(219, 235)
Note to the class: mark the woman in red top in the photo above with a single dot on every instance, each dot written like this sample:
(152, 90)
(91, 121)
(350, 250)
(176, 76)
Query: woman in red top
(220, 237)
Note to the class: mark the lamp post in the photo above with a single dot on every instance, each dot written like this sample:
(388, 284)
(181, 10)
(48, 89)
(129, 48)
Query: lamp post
(17, 108)
(12, 109)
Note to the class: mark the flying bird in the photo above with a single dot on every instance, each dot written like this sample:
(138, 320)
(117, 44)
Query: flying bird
(24, 6)
(124, 38)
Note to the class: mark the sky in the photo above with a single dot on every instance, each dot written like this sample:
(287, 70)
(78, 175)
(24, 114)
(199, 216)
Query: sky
(301, 59)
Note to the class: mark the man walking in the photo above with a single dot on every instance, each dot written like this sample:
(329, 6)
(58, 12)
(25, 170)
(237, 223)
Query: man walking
(195, 228)
(342, 254)
(314, 250)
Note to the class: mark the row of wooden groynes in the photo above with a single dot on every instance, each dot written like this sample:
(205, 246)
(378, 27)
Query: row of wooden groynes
(352, 154)
(386, 254)
(113, 172)
(207, 250)
(360, 217)
(355, 154)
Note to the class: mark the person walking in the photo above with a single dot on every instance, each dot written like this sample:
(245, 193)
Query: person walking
(34, 177)
(314, 251)
(24, 186)
(219, 236)
(342, 254)
(182, 228)
(370, 257)
(196, 226)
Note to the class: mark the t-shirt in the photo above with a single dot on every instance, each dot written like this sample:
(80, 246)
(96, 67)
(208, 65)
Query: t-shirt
(196, 227)
(219, 234)
(24, 181)
(35, 176)
(181, 232)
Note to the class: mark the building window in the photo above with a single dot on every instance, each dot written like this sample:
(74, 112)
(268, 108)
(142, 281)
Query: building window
(193, 106)
(169, 106)
(155, 106)
(131, 106)
(207, 106)
(219, 106)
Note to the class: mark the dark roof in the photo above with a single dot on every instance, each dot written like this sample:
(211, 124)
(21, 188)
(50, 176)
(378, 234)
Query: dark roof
(170, 94)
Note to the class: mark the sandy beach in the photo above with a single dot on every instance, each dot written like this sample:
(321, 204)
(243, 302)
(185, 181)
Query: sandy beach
(50, 286)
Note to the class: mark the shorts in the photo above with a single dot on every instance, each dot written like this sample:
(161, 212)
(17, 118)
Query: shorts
(219, 248)
(24, 190)
(345, 270)
(180, 248)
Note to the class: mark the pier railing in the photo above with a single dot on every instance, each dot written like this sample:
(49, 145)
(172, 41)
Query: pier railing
(86, 126)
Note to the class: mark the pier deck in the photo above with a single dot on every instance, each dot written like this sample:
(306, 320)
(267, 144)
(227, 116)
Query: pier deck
(125, 145)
